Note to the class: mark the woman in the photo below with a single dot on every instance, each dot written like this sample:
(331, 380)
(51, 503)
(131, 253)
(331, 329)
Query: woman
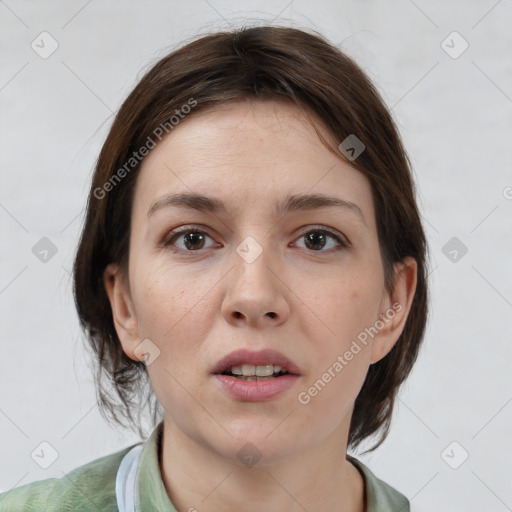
(252, 258)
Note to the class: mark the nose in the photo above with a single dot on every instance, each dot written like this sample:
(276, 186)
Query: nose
(256, 295)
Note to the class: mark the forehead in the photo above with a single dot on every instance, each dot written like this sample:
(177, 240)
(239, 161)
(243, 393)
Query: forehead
(248, 154)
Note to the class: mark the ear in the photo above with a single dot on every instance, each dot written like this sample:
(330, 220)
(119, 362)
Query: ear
(395, 308)
(123, 312)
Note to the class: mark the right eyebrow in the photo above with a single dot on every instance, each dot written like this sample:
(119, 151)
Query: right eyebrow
(190, 200)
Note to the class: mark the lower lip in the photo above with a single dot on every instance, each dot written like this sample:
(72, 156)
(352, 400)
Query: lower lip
(255, 390)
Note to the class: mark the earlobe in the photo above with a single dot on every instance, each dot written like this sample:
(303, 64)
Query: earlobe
(123, 311)
(395, 308)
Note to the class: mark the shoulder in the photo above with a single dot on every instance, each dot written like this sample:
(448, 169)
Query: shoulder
(88, 487)
(381, 497)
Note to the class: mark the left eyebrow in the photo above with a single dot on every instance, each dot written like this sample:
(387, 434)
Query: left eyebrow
(292, 203)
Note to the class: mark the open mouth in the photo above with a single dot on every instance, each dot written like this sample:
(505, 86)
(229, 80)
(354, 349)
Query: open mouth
(254, 373)
(255, 376)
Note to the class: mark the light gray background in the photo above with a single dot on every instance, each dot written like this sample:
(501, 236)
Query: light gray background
(455, 115)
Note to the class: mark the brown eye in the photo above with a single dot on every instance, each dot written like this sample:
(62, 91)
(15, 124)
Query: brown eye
(317, 240)
(188, 239)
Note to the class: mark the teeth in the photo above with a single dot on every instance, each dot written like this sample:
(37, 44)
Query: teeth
(264, 371)
(250, 370)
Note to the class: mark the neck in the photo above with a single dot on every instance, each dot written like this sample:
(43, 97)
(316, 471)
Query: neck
(318, 478)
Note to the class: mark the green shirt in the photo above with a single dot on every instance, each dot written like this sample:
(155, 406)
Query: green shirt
(92, 487)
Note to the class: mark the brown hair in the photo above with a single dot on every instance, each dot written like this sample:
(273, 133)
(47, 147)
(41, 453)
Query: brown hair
(267, 63)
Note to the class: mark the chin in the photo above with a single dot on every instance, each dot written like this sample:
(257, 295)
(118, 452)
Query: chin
(259, 449)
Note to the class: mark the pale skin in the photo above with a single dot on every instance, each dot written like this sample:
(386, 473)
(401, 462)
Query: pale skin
(309, 301)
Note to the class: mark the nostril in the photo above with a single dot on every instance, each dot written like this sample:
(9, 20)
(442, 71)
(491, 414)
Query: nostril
(271, 314)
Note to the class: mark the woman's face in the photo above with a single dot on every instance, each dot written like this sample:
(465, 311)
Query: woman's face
(285, 277)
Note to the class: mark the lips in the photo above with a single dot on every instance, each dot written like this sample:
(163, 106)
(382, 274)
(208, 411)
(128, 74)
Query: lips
(256, 358)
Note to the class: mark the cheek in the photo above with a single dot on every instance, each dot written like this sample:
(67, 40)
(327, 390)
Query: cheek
(340, 309)
(340, 359)
(346, 305)
(172, 310)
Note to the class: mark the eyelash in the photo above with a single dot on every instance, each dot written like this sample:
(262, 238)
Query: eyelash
(170, 237)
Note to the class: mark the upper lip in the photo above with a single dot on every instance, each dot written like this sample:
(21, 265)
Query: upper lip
(256, 358)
